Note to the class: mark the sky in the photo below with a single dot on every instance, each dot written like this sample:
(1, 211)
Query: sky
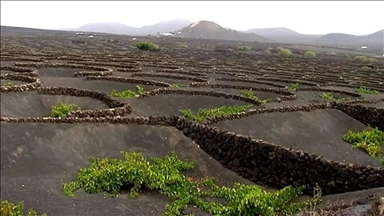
(307, 17)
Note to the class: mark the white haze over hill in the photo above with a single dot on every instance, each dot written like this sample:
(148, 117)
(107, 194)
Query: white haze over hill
(349, 17)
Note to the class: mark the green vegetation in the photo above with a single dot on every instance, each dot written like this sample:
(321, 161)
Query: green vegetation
(62, 110)
(309, 54)
(203, 114)
(370, 140)
(179, 85)
(11, 209)
(294, 86)
(184, 45)
(126, 94)
(8, 84)
(249, 94)
(329, 96)
(365, 59)
(165, 176)
(147, 46)
(366, 90)
(243, 48)
(285, 53)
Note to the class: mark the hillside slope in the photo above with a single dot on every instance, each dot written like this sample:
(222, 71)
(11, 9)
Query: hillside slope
(211, 30)
(372, 40)
(284, 35)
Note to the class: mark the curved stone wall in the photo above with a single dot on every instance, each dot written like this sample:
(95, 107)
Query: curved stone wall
(33, 83)
(170, 76)
(128, 80)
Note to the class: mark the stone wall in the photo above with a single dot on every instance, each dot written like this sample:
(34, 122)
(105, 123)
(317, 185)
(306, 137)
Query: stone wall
(117, 108)
(250, 81)
(128, 80)
(283, 94)
(269, 164)
(367, 115)
(352, 94)
(33, 83)
(205, 93)
(170, 76)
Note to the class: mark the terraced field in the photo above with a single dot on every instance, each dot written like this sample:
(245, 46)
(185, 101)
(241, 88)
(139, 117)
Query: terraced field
(286, 127)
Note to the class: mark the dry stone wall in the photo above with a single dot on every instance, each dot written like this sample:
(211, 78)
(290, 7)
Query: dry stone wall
(276, 166)
(128, 80)
(33, 83)
(170, 76)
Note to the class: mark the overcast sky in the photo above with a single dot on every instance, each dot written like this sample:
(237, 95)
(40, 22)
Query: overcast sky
(305, 17)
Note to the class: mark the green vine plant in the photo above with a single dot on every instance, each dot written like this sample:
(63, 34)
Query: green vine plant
(149, 46)
(249, 94)
(11, 209)
(8, 84)
(165, 176)
(126, 94)
(329, 96)
(294, 86)
(62, 110)
(370, 140)
(203, 114)
(179, 85)
(366, 90)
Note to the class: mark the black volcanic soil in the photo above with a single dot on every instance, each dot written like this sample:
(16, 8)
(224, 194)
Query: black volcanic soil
(166, 80)
(96, 85)
(318, 132)
(32, 104)
(170, 104)
(36, 159)
(260, 94)
(15, 82)
(57, 72)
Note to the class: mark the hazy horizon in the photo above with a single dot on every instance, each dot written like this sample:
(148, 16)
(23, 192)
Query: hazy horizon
(358, 18)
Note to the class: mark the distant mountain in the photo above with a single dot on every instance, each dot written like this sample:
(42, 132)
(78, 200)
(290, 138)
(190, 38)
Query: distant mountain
(119, 28)
(284, 35)
(110, 27)
(211, 30)
(372, 40)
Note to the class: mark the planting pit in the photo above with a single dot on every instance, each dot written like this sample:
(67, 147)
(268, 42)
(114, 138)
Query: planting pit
(318, 132)
(170, 104)
(166, 80)
(260, 94)
(96, 85)
(57, 71)
(255, 85)
(32, 104)
(38, 158)
(14, 82)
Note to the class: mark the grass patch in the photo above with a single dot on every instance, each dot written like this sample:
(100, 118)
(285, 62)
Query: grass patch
(365, 59)
(329, 96)
(294, 86)
(165, 176)
(249, 94)
(147, 46)
(178, 85)
(203, 114)
(243, 48)
(126, 94)
(8, 84)
(370, 140)
(11, 209)
(366, 90)
(285, 53)
(62, 110)
(309, 54)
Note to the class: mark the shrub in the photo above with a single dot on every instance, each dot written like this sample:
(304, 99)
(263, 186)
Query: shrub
(243, 48)
(370, 140)
(365, 59)
(249, 94)
(294, 86)
(126, 94)
(165, 176)
(309, 54)
(8, 84)
(366, 90)
(329, 96)
(203, 114)
(11, 209)
(63, 110)
(285, 53)
(147, 46)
